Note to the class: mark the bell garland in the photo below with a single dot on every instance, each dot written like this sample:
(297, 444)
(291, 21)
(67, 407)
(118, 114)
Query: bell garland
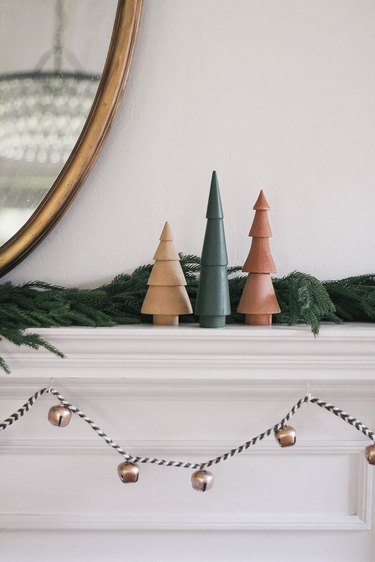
(286, 436)
(128, 472)
(59, 415)
(303, 299)
(202, 479)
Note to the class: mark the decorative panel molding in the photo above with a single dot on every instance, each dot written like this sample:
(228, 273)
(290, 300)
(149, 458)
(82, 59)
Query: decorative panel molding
(353, 499)
(232, 389)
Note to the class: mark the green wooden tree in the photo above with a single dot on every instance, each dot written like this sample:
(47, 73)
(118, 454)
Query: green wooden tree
(212, 304)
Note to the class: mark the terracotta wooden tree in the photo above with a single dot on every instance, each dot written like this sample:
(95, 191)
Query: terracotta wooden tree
(212, 304)
(166, 296)
(258, 300)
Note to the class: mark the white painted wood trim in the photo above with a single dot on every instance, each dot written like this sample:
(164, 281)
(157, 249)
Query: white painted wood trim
(361, 520)
(85, 521)
(341, 353)
(187, 363)
(14, 387)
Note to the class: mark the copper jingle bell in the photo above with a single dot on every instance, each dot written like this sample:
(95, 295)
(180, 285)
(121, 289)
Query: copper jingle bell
(202, 480)
(59, 415)
(286, 436)
(370, 454)
(128, 472)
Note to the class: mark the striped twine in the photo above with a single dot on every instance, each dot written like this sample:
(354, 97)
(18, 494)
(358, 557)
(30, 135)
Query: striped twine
(351, 420)
(21, 411)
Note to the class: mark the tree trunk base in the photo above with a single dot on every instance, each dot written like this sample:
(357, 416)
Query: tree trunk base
(165, 320)
(258, 319)
(212, 321)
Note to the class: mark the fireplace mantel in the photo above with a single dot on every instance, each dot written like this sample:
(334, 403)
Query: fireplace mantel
(186, 392)
(341, 353)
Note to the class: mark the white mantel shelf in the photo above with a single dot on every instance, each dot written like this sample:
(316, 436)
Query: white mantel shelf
(344, 352)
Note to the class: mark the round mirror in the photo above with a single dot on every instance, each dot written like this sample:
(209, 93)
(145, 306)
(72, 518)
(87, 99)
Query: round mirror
(63, 65)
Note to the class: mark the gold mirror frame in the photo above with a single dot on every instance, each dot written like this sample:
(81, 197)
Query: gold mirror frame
(90, 142)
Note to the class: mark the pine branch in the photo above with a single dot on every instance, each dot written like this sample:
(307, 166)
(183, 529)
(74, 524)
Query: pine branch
(302, 299)
(354, 297)
(19, 337)
(4, 365)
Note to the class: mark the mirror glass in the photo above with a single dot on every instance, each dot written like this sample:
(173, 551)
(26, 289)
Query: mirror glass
(51, 59)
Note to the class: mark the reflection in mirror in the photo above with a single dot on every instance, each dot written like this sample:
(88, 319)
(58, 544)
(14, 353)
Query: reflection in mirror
(52, 56)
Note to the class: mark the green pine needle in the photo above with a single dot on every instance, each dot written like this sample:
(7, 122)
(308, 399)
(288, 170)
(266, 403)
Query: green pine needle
(4, 365)
(302, 299)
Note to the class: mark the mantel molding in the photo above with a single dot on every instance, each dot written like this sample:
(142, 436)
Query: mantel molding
(233, 375)
(342, 353)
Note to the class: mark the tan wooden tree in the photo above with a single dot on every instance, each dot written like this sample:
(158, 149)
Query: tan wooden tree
(258, 300)
(166, 296)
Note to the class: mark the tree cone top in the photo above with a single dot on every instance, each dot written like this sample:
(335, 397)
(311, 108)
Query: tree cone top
(214, 207)
(166, 233)
(261, 203)
(166, 251)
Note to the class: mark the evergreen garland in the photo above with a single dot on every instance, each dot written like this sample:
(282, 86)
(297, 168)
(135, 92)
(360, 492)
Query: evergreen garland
(302, 298)
(354, 298)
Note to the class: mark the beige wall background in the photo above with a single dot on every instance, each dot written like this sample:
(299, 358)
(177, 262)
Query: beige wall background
(273, 95)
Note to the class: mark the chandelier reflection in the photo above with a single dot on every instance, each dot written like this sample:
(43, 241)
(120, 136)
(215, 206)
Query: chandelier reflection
(42, 114)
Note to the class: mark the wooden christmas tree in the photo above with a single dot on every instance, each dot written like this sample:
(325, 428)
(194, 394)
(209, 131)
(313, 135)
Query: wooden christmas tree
(166, 296)
(258, 300)
(212, 304)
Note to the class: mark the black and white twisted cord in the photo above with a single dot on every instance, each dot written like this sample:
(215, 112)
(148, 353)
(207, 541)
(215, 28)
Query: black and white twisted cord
(345, 417)
(257, 438)
(21, 411)
(182, 464)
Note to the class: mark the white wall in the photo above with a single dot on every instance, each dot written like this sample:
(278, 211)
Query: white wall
(271, 94)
